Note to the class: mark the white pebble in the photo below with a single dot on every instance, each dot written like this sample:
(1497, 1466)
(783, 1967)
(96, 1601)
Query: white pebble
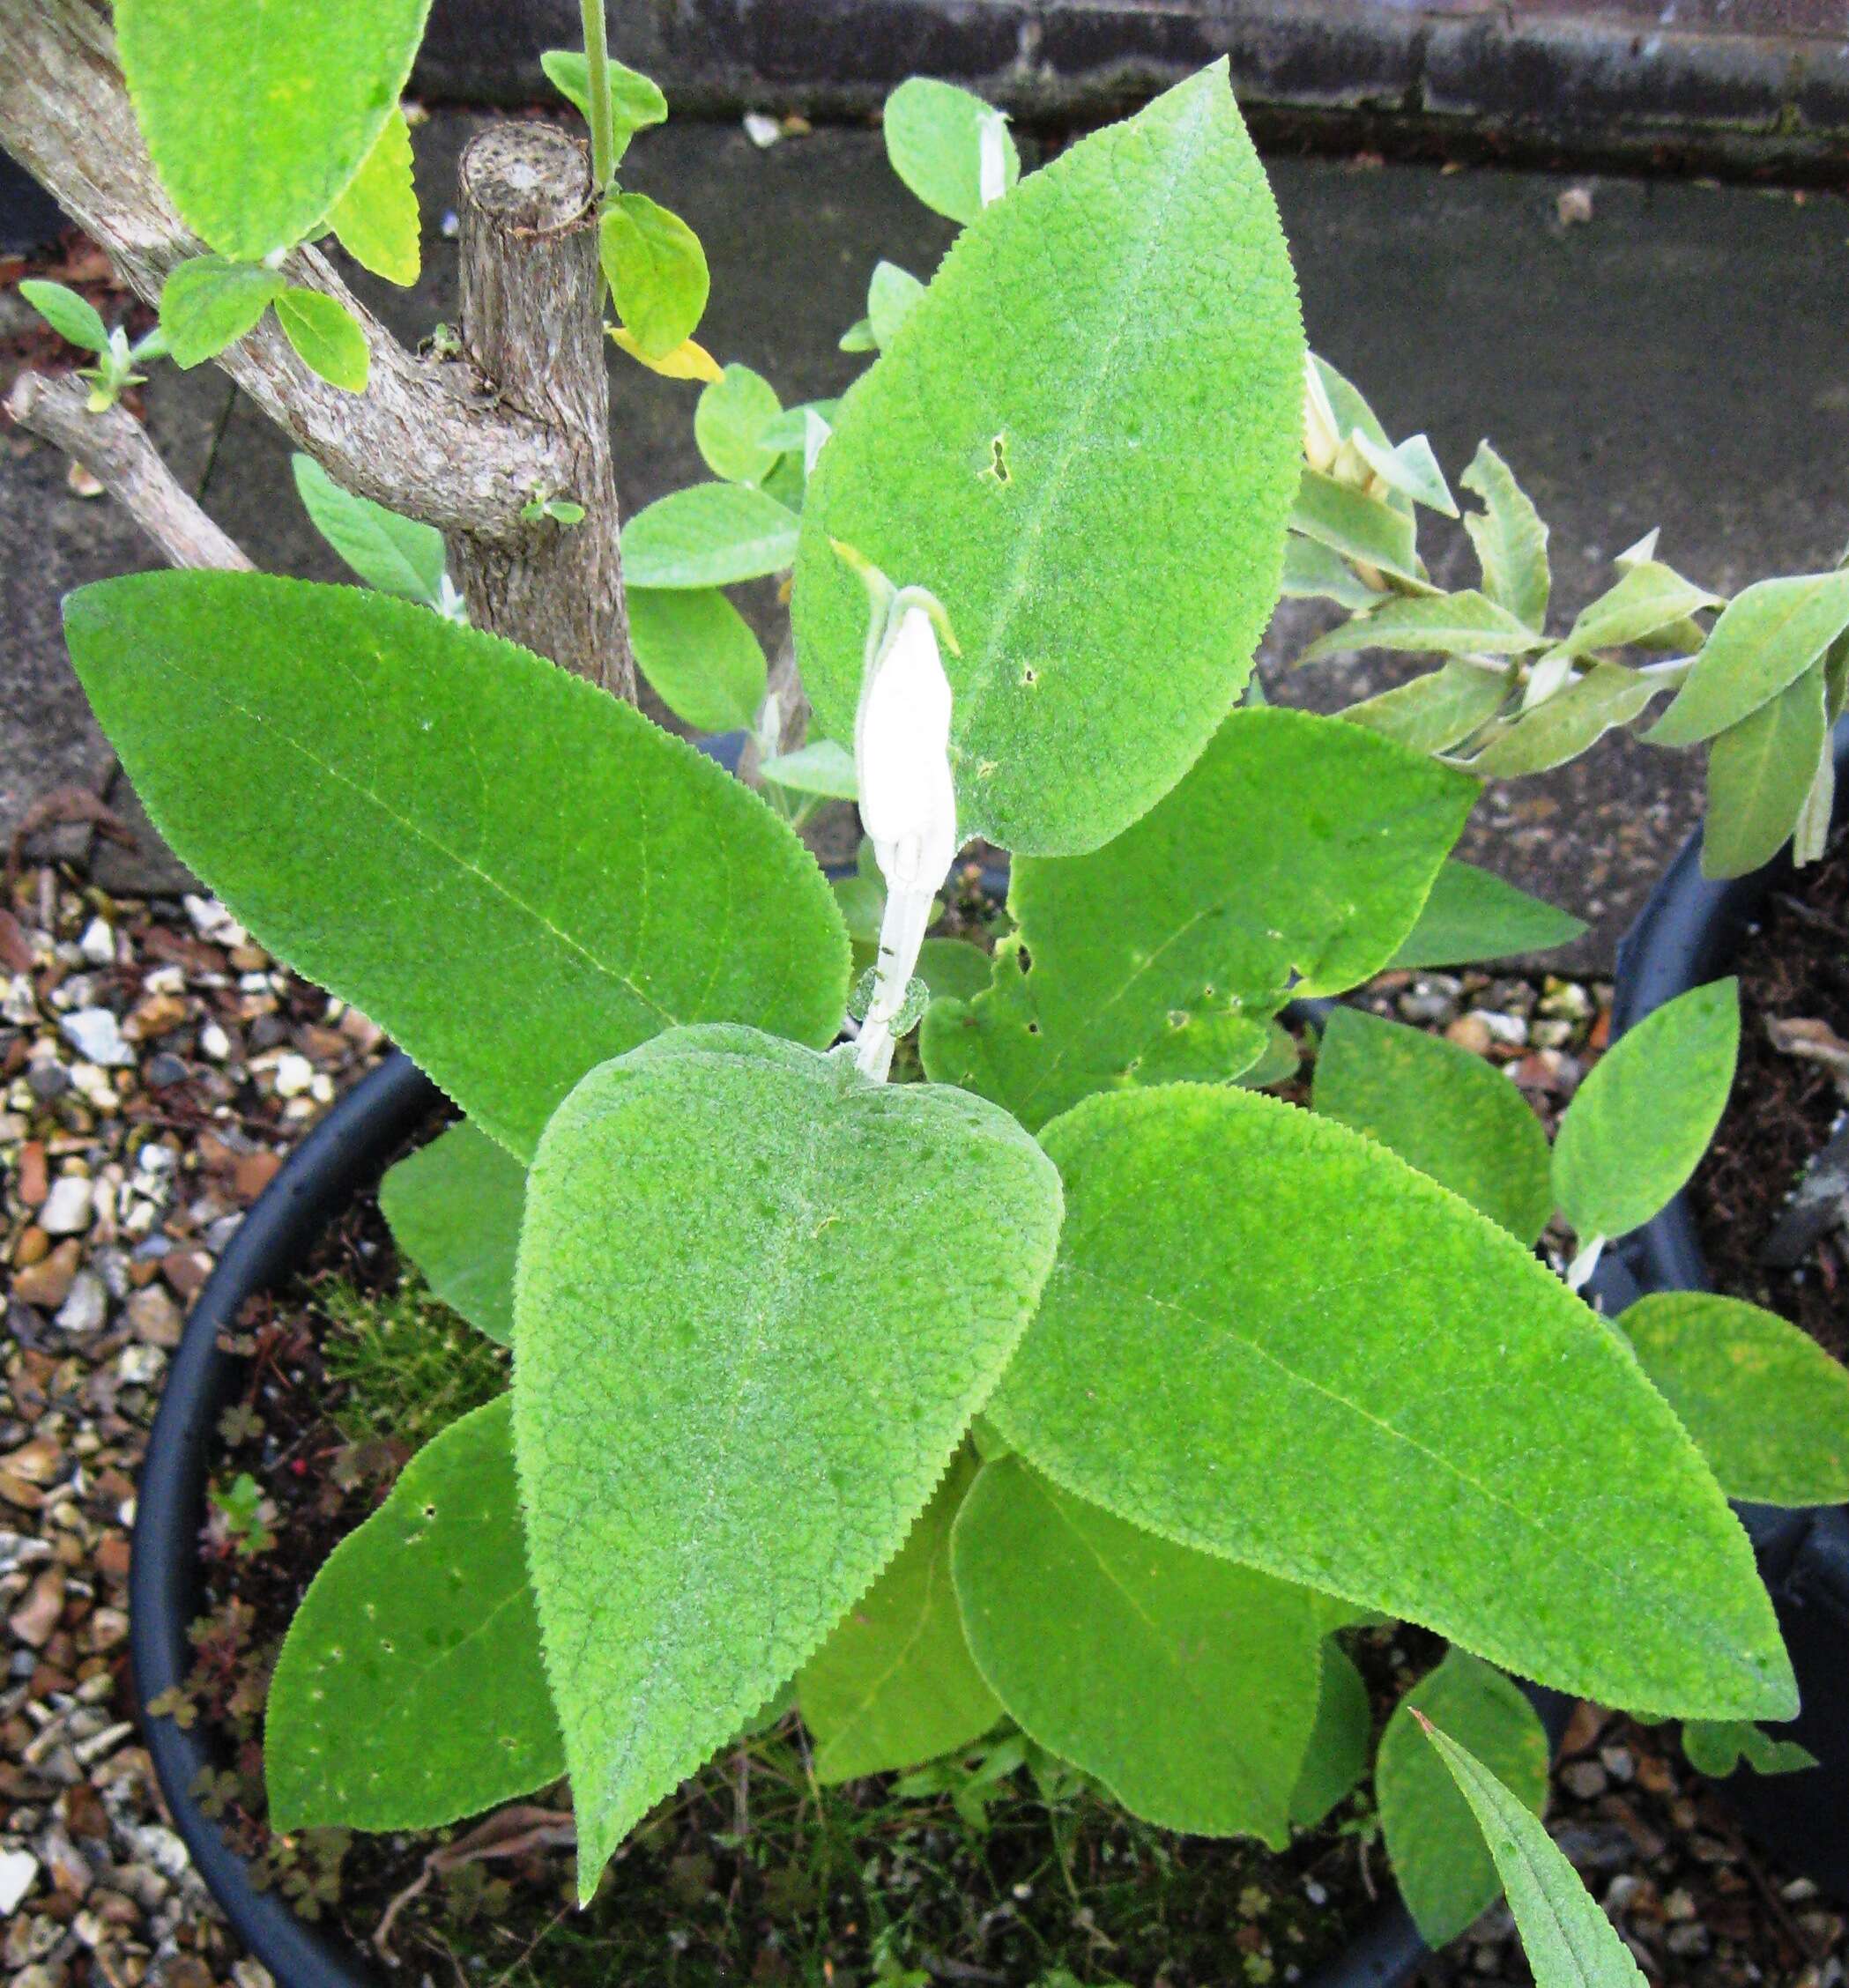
(96, 1035)
(762, 131)
(293, 1075)
(214, 1042)
(18, 1872)
(68, 1207)
(98, 944)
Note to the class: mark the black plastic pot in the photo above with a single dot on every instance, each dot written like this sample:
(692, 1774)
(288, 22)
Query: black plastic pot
(1689, 933)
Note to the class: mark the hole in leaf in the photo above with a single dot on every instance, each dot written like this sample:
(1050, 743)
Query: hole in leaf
(998, 460)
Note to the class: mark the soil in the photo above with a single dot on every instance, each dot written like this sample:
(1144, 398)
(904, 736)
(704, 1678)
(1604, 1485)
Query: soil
(1794, 965)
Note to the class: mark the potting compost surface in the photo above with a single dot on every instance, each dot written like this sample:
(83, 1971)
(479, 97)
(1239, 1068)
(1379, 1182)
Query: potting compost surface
(156, 1066)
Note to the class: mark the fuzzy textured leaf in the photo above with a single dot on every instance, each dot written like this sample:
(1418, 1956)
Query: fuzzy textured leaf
(1313, 572)
(1188, 1685)
(1510, 538)
(327, 337)
(1464, 624)
(1641, 1120)
(1441, 1864)
(1472, 915)
(1357, 526)
(891, 297)
(1767, 1406)
(376, 217)
(712, 535)
(397, 555)
(410, 1692)
(1338, 1753)
(1425, 1422)
(1568, 724)
(727, 1427)
(700, 655)
(1449, 1113)
(1030, 450)
(934, 139)
(208, 304)
(454, 1208)
(1768, 636)
(1435, 712)
(732, 421)
(656, 271)
(258, 116)
(515, 874)
(1140, 953)
(635, 101)
(1651, 596)
(1760, 773)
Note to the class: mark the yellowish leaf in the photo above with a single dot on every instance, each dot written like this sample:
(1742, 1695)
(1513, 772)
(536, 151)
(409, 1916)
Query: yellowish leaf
(686, 362)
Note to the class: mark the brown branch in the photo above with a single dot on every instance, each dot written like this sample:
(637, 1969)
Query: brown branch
(423, 438)
(116, 450)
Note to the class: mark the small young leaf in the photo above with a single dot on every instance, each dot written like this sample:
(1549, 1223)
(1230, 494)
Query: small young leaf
(1569, 1940)
(710, 535)
(209, 303)
(727, 1427)
(635, 103)
(69, 315)
(1411, 469)
(1448, 1434)
(699, 654)
(1716, 1747)
(1187, 1685)
(731, 423)
(656, 271)
(257, 116)
(858, 336)
(1449, 1113)
(327, 337)
(1357, 526)
(1337, 1756)
(1440, 1863)
(1639, 1123)
(934, 137)
(1767, 1406)
(890, 297)
(1510, 538)
(1473, 915)
(895, 1684)
(454, 1208)
(424, 1610)
(376, 217)
(1568, 724)
(1313, 572)
(1435, 712)
(1760, 775)
(1650, 597)
(397, 555)
(1766, 638)
(686, 362)
(820, 767)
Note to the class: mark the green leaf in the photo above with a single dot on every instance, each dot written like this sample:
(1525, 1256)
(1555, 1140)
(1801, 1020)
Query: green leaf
(1452, 1114)
(732, 421)
(1347, 403)
(454, 1208)
(1187, 1685)
(952, 969)
(1473, 915)
(74, 319)
(1411, 469)
(1766, 638)
(1510, 538)
(712, 535)
(727, 1427)
(820, 767)
(1357, 526)
(858, 336)
(1639, 1123)
(208, 304)
(1569, 1940)
(699, 654)
(895, 1684)
(1767, 1406)
(513, 873)
(425, 1610)
(1650, 597)
(890, 298)
(376, 217)
(1568, 724)
(636, 102)
(397, 555)
(1448, 1434)
(1338, 1753)
(1462, 624)
(327, 337)
(258, 116)
(1313, 572)
(934, 139)
(1435, 712)
(1125, 959)
(1716, 1747)
(656, 271)
(1760, 773)
(1030, 450)
(1441, 1864)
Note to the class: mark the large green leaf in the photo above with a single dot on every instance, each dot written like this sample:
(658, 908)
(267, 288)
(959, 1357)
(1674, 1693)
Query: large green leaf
(1441, 1864)
(1472, 914)
(257, 116)
(1510, 538)
(934, 134)
(1267, 1337)
(1338, 1753)
(1031, 449)
(454, 1208)
(410, 1691)
(894, 1684)
(376, 217)
(514, 874)
(727, 1425)
(1639, 1123)
(1569, 1940)
(1449, 1113)
(710, 535)
(1767, 1406)
(1172, 940)
(1759, 777)
(1767, 637)
(1188, 1685)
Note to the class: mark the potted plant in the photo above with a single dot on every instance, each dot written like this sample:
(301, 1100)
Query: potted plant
(1122, 1476)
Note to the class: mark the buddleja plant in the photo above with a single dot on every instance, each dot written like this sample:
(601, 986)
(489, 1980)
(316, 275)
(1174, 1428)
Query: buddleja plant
(1221, 1375)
